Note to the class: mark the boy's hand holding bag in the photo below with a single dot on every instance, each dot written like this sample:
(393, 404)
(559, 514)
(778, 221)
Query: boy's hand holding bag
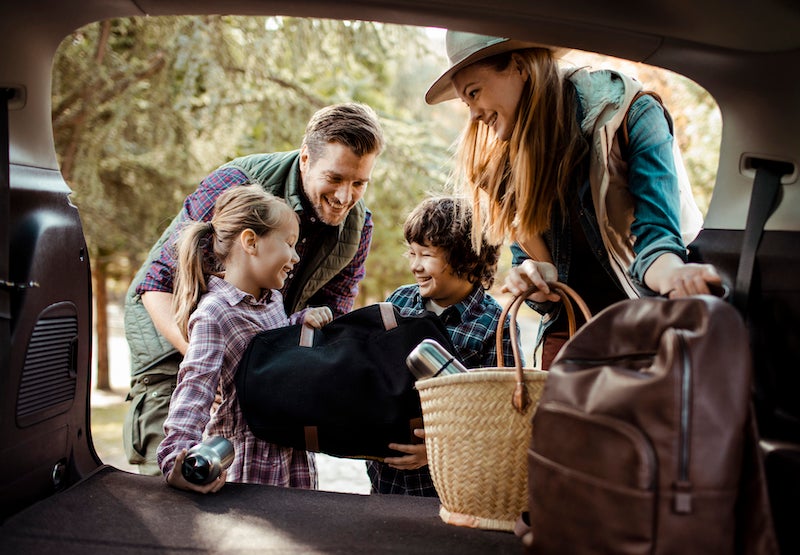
(344, 389)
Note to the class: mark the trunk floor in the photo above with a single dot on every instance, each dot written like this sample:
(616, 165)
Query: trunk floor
(113, 511)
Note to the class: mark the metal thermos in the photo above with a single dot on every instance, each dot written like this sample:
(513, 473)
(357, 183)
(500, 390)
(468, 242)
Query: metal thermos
(430, 359)
(205, 461)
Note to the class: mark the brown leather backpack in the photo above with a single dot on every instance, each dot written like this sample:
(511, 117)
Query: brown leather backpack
(644, 438)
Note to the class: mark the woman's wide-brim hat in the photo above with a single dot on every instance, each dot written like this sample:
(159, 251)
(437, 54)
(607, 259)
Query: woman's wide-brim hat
(464, 49)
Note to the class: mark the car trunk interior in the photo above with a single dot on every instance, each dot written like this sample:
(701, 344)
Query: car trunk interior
(58, 496)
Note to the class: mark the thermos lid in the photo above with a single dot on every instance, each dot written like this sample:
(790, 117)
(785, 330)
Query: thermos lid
(429, 358)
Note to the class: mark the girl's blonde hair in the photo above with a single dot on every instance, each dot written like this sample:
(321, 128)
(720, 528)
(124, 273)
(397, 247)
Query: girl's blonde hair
(204, 247)
(515, 184)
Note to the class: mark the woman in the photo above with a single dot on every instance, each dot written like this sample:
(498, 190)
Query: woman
(542, 152)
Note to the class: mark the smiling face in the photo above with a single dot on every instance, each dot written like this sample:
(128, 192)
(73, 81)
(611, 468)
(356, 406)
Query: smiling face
(276, 254)
(264, 262)
(492, 95)
(335, 181)
(434, 275)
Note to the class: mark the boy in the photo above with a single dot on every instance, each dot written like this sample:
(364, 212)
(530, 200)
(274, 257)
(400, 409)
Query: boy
(451, 281)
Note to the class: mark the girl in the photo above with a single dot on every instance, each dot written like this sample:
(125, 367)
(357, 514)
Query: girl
(252, 236)
(584, 207)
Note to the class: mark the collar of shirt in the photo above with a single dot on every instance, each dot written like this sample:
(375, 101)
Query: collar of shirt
(469, 306)
(233, 295)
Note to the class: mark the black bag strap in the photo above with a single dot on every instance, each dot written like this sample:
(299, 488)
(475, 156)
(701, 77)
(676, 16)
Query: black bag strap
(763, 201)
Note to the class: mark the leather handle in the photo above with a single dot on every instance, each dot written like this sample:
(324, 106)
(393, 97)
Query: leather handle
(570, 298)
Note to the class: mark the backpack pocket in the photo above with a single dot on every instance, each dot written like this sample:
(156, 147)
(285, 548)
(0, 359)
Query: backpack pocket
(592, 484)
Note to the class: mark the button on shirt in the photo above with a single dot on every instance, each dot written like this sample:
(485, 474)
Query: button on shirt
(219, 331)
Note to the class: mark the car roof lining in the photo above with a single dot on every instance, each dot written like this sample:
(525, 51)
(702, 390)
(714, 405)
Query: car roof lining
(742, 62)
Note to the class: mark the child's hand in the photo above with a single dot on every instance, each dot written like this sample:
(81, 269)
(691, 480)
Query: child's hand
(417, 456)
(318, 316)
(176, 479)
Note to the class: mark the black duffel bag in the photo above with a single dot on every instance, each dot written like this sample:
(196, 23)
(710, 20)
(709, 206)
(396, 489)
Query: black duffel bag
(345, 389)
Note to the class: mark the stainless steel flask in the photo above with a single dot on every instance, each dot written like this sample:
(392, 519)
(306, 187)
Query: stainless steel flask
(430, 359)
(205, 461)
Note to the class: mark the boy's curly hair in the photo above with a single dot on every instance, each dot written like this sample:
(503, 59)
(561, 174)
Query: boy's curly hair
(446, 222)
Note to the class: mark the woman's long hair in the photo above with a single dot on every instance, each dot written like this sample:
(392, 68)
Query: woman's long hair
(515, 184)
(204, 247)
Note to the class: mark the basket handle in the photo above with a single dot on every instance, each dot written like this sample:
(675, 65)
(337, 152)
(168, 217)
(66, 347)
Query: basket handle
(569, 297)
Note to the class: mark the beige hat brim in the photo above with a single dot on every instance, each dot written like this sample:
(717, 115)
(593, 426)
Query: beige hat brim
(442, 89)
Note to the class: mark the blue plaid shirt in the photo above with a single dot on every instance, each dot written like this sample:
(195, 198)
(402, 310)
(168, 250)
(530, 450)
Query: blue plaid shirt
(472, 324)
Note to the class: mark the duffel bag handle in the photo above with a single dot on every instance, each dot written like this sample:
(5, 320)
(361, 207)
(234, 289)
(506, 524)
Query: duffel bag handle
(387, 317)
(569, 297)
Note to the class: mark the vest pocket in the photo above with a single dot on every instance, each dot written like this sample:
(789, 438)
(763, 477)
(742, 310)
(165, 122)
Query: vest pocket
(592, 483)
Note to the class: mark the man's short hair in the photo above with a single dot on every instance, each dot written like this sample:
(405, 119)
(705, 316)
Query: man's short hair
(351, 124)
(446, 222)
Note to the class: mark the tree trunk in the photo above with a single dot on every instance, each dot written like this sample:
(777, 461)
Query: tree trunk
(101, 324)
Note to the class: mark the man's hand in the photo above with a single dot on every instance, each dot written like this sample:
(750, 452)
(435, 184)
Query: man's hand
(159, 306)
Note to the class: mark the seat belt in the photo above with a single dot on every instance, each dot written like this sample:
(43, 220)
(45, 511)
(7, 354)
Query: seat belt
(763, 201)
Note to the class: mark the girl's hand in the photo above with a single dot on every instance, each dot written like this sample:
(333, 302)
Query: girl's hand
(417, 456)
(532, 273)
(318, 316)
(176, 479)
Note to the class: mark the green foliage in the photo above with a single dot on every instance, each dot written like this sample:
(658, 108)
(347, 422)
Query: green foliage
(144, 108)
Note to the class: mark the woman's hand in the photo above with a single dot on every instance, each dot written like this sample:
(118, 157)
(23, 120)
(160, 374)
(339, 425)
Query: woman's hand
(671, 277)
(318, 316)
(690, 279)
(532, 273)
(176, 479)
(417, 456)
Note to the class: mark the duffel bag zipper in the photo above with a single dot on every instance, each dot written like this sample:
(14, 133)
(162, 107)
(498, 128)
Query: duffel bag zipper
(682, 501)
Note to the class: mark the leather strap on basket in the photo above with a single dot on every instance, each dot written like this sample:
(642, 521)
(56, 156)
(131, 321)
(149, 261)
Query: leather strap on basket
(521, 399)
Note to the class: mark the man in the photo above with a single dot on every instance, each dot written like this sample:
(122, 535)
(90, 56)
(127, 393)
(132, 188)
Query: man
(324, 182)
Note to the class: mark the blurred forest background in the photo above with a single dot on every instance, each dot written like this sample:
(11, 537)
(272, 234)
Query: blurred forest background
(144, 108)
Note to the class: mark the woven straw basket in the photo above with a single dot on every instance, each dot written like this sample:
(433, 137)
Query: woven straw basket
(477, 432)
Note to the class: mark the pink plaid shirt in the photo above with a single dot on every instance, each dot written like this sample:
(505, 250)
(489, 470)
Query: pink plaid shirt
(219, 331)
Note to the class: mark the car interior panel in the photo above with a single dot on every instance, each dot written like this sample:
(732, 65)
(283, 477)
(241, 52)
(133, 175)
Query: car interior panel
(58, 495)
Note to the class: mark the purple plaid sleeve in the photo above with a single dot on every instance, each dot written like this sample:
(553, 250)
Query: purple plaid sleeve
(198, 206)
(220, 329)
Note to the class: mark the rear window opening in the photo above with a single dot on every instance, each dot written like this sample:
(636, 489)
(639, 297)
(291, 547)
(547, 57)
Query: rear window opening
(144, 108)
